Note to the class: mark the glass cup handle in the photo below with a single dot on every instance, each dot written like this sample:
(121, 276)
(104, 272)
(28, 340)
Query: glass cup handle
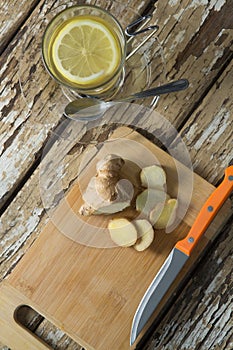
(144, 20)
(139, 30)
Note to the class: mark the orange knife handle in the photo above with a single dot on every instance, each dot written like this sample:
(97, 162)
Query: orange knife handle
(207, 213)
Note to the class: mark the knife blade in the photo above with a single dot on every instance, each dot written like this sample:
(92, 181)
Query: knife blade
(179, 255)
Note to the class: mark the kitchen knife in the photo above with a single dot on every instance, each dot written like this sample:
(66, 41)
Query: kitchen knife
(179, 255)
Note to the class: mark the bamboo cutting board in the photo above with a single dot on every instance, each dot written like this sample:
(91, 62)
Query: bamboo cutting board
(92, 293)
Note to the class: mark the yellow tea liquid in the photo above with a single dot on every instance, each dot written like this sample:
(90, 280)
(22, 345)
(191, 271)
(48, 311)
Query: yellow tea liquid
(84, 51)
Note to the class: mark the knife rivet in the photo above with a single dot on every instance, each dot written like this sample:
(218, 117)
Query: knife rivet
(230, 178)
(210, 208)
(191, 239)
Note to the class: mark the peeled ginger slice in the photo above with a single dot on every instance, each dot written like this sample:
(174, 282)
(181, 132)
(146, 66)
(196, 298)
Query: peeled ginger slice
(153, 177)
(167, 214)
(122, 232)
(145, 234)
(148, 199)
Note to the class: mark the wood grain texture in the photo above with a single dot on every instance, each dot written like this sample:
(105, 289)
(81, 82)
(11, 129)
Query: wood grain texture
(208, 132)
(197, 38)
(110, 294)
(28, 104)
(24, 218)
(201, 317)
(20, 115)
(55, 337)
(12, 15)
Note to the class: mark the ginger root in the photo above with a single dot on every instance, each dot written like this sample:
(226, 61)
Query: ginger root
(108, 174)
(106, 193)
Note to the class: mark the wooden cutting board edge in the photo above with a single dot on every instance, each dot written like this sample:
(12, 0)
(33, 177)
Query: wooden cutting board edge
(12, 296)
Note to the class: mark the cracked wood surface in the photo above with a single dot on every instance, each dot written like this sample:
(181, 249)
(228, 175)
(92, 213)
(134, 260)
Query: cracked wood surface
(19, 113)
(201, 317)
(209, 137)
(12, 14)
(193, 48)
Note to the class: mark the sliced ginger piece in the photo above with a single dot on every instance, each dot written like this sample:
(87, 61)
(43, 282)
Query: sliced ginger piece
(164, 215)
(122, 232)
(153, 177)
(145, 234)
(148, 199)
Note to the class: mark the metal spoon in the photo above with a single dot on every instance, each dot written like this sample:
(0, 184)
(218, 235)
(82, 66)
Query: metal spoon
(94, 106)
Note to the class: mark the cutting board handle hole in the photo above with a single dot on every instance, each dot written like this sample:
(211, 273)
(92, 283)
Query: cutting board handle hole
(39, 327)
(29, 320)
(27, 317)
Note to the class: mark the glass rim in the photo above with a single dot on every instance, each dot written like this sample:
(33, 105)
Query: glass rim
(121, 65)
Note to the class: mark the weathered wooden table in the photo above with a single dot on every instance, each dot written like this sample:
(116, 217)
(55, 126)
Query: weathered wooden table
(196, 39)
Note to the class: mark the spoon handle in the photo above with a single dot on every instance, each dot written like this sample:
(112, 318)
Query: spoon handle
(177, 85)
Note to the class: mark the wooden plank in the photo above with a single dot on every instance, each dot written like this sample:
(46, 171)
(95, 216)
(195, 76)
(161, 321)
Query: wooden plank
(55, 337)
(17, 217)
(12, 14)
(22, 116)
(193, 48)
(18, 123)
(208, 132)
(11, 217)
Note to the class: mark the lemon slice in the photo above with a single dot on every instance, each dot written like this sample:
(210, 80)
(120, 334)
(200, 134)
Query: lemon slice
(85, 51)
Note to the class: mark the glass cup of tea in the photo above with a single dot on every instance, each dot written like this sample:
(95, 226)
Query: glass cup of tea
(84, 49)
